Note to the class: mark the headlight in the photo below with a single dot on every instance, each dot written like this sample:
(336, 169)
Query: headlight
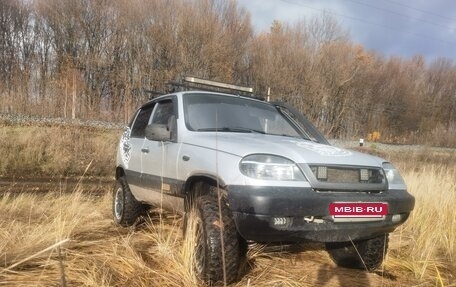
(270, 167)
(395, 180)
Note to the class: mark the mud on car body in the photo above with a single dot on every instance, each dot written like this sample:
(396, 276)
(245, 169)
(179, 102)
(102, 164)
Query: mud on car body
(276, 177)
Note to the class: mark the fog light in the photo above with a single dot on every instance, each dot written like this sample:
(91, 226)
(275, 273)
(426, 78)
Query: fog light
(281, 221)
(396, 218)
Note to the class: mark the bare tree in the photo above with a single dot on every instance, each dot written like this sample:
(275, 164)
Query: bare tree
(95, 58)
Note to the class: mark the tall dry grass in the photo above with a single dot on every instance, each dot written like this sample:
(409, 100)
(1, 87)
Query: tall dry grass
(153, 253)
(98, 253)
(56, 151)
(95, 252)
(425, 246)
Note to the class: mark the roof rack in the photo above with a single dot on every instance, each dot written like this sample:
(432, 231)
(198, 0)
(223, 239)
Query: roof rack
(193, 83)
(221, 85)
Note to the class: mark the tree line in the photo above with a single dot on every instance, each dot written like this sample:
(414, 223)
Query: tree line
(94, 59)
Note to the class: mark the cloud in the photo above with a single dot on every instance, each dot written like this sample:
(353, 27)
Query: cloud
(391, 27)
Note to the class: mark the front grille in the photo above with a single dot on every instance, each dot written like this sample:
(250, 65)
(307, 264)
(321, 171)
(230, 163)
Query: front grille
(347, 175)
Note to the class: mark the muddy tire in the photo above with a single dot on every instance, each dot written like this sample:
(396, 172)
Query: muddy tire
(368, 254)
(125, 208)
(204, 228)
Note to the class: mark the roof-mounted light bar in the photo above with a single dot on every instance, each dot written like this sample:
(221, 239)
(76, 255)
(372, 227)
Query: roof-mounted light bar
(218, 84)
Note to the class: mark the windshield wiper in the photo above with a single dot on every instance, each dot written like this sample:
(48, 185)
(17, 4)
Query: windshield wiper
(290, 136)
(231, 129)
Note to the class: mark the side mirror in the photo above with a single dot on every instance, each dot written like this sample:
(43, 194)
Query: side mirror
(158, 132)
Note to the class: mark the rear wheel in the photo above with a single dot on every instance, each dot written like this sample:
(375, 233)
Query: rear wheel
(125, 208)
(363, 254)
(212, 258)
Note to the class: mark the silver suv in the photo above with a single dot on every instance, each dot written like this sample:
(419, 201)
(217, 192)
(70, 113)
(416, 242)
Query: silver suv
(252, 170)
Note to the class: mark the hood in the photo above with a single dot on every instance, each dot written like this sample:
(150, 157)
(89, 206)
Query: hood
(295, 149)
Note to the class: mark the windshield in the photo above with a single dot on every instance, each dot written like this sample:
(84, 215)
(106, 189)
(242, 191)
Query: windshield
(208, 112)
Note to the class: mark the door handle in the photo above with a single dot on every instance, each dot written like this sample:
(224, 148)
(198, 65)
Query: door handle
(145, 150)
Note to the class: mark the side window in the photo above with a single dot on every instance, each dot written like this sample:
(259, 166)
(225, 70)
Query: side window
(163, 112)
(140, 124)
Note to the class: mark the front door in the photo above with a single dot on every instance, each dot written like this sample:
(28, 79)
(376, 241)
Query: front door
(133, 168)
(159, 160)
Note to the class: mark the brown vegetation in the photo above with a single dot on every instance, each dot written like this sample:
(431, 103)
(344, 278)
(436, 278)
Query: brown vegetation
(422, 252)
(56, 151)
(94, 59)
(98, 253)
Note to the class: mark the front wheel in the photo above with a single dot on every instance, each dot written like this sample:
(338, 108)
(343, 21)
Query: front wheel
(213, 261)
(362, 254)
(125, 208)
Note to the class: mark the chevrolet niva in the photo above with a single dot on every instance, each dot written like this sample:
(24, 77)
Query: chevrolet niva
(250, 170)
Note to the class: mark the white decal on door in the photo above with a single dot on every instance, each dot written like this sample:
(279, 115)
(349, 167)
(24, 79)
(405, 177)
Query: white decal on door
(125, 147)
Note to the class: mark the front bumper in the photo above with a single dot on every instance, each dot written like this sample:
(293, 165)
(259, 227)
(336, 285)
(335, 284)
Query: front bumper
(256, 211)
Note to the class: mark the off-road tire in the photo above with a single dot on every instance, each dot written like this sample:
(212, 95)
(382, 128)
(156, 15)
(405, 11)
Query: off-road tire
(125, 208)
(372, 252)
(208, 260)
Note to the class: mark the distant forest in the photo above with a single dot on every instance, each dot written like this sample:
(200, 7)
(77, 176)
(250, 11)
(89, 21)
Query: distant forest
(93, 59)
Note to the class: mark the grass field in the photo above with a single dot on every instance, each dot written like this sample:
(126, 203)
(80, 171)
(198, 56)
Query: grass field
(56, 151)
(67, 238)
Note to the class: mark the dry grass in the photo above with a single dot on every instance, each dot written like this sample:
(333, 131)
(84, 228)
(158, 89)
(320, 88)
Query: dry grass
(425, 246)
(99, 253)
(56, 151)
(153, 253)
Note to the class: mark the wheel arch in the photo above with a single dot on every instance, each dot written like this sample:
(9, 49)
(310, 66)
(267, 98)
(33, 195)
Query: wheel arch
(198, 185)
(119, 172)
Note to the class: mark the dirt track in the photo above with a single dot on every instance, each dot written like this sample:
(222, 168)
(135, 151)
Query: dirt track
(32, 185)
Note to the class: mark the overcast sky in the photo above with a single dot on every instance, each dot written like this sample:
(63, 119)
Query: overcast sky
(391, 27)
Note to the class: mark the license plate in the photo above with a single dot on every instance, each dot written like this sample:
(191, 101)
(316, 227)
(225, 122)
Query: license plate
(358, 209)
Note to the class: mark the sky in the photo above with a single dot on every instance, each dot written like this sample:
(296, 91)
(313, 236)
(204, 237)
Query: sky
(391, 27)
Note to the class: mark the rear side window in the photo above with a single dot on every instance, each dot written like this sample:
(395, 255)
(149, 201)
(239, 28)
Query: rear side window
(140, 124)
